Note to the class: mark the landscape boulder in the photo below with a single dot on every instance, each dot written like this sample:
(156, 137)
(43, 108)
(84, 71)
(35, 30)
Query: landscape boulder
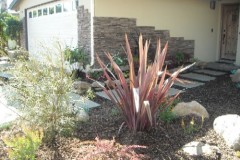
(228, 126)
(81, 86)
(188, 108)
(82, 116)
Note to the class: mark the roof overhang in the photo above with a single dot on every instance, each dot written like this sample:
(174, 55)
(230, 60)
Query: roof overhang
(14, 4)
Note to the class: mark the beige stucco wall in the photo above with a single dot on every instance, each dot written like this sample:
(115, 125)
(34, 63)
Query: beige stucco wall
(191, 19)
(24, 4)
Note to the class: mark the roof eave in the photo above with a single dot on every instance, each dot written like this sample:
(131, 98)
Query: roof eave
(14, 4)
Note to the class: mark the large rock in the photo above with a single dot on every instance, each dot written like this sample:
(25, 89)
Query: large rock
(81, 86)
(184, 109)
(236, 76)
(198, 148)
(228, 126)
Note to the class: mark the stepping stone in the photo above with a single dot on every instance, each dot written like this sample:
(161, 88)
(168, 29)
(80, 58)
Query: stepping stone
(5, 76)
(5, 65)
(195, 148)
(189, 84)
(82, 102)
(104, 95)
(210, 72)
(197, 77)
(221, 66)
(171, 92)
(8, 113)
(4, 59)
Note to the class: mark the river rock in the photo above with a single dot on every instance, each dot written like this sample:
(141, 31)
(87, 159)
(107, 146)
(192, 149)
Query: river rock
(228, 126)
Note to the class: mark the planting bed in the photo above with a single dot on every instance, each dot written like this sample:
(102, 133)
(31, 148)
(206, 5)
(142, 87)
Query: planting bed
(219, 97)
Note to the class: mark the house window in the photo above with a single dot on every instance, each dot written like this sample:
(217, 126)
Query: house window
(67, 6)
(30, 14)
(51, 10)
(75, 4)
(45, 11)
(39, 12)
(58, 8)
(34, 14)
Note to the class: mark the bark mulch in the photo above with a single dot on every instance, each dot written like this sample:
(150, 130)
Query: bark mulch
(219, 97)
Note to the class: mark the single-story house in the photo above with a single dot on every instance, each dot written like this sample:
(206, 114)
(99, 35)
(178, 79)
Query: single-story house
(205, 29)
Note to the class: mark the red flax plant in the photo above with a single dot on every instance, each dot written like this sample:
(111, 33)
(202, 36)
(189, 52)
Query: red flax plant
(147, 91)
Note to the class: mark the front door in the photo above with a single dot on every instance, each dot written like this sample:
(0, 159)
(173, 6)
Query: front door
(229, 36)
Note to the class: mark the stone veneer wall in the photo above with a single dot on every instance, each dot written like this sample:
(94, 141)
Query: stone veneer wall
(84, 29)
(109, 37)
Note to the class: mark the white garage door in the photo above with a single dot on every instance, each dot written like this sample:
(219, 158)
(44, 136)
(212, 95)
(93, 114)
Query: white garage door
(51, 27)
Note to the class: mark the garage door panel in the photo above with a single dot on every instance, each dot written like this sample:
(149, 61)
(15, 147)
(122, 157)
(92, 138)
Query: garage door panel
(45, 31)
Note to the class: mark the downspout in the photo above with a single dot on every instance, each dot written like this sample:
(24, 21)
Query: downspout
(26, 29)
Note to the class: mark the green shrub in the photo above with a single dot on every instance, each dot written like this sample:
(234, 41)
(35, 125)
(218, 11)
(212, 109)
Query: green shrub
(24, 146)
(76, 55)
(43, 92)
(119, 60)
(238, 154)
(179, 58)
(140, 101)
(14, 27)
(90, 94)
(167, 115)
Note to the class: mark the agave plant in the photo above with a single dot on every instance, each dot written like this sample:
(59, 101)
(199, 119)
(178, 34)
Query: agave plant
(147, 90)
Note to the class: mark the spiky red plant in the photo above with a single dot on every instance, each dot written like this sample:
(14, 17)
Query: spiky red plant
(146, 92)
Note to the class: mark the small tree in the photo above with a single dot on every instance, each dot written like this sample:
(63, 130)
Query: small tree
(14, 27)
(42, 90)
(3, 36)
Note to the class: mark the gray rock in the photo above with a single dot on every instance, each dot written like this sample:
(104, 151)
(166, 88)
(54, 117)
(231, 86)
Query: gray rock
(81, 86)
(4, 59)
(228, 126)
(184, 109)
(97, 84)
(198, 148)
(82, 116)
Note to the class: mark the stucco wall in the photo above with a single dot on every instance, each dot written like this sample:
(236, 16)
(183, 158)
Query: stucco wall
(29, 3)
(191, 19)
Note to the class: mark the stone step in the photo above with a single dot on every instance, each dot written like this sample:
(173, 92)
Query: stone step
(197, 77)
(221, 66)
(210, 72)
(188, 84)
(5, 76)
(5, 65)
(226, 61)
(171, 92)
(82, 102)
(4, 59)
(8, 113)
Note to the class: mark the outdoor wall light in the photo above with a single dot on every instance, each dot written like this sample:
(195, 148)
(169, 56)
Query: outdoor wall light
(213, 4)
